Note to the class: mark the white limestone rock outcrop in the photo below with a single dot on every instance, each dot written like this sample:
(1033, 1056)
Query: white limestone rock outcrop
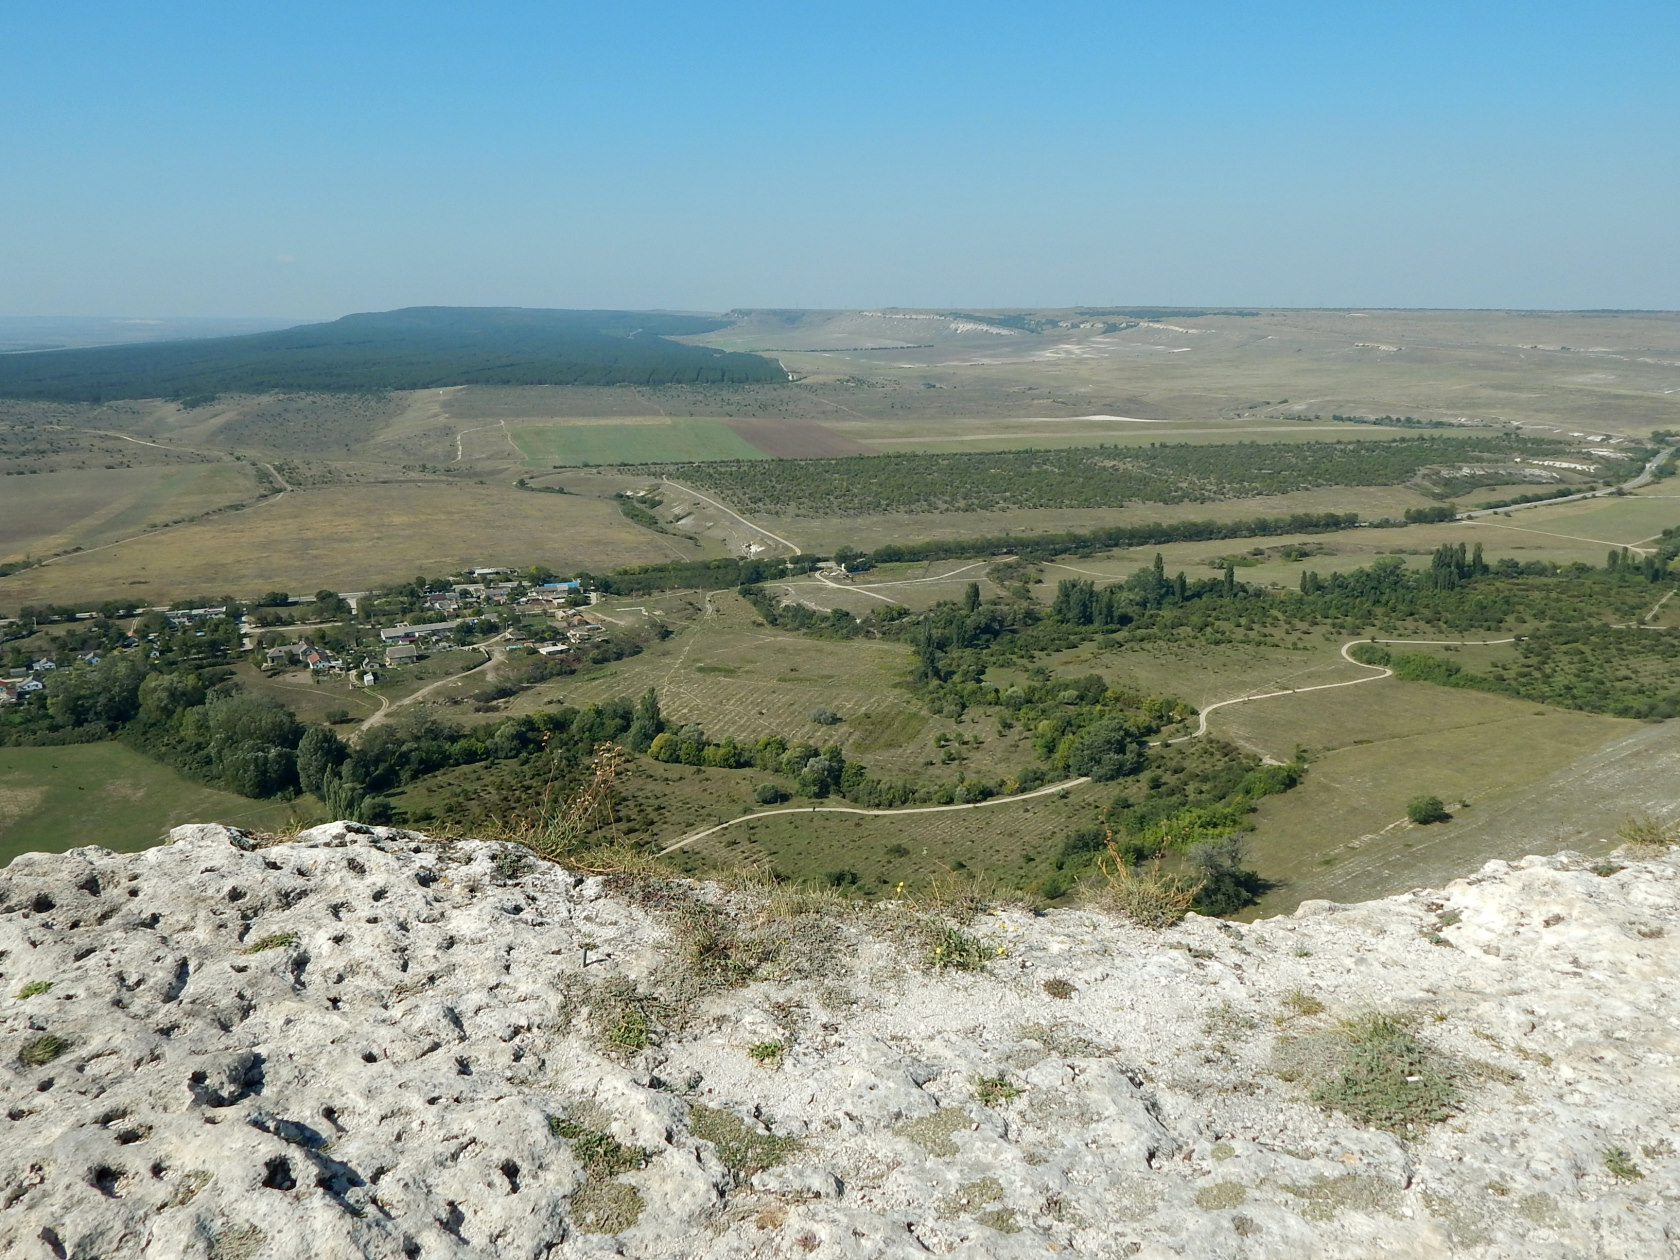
(365, 1043)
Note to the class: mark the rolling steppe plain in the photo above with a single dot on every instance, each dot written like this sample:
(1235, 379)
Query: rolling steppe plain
(243, 494)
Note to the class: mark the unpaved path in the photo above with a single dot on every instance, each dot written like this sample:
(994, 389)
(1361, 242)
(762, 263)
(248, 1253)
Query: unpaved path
(1645, 476)
(852, 809)
(483, 428)
(492, 655)
(1379, 672)
(1382, 671)
(793, 548)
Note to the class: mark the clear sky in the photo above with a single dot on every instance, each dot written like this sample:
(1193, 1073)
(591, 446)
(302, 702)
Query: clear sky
(312, 159)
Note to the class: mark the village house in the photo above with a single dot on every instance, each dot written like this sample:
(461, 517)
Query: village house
(401, 654)
(320, 658)
(410, 634)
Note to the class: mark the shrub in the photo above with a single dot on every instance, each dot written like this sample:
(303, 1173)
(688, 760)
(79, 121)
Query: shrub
(1107, 749)
(34, 988)
(1388, 1079)
(1227, 886)
(769, 794)
(1148, 898)
(1424, 810)
(822, 715)
(992, 1090)
(768, 1053)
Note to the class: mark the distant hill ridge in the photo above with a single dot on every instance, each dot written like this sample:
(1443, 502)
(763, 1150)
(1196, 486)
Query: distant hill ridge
(421, 347)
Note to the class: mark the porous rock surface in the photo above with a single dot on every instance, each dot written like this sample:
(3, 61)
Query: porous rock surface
(352, 1044)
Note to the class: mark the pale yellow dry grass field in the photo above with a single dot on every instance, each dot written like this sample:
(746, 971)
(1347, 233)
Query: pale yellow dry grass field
(351, 539)
(51, 512)
(1577, 371)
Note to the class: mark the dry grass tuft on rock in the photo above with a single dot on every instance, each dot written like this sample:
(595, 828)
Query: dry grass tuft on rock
(602, 1204)
(1146, 896)
(1647, 835)
(1387, 1078)
(743, 1149)
(625, 1019)
(275, 940)
(993, 1090)
(42, 1050)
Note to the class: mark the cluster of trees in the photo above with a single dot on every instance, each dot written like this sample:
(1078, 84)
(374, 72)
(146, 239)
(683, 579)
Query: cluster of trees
(705, 575)
(815, 772)
(418, 348)
(1398, 422)
(1568, 653)
(1089, 477)
(204, 727)
(837, 623)
(1079, 602)
(1434, 515)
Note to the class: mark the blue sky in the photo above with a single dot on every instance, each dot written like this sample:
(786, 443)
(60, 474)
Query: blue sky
(313, 159)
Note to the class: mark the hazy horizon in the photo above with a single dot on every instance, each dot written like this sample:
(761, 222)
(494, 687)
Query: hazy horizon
(198, 162)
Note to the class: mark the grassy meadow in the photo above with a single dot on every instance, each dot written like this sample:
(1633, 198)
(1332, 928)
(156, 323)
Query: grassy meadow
(88, 507)
(52, 799)
(352, 538)
(653, 440)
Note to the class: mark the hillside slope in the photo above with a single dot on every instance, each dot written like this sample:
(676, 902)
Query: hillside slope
(367, 1043)
(418, 348)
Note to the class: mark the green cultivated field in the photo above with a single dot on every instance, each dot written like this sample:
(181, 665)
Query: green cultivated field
(52, 799)
(646, 442)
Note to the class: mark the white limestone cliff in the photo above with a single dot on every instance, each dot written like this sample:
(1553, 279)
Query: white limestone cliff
(365, 1043)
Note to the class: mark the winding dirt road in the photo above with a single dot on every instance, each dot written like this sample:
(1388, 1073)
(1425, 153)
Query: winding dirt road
(1379, 672)
(852, 809)
(1382, 671)
(387, 707)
